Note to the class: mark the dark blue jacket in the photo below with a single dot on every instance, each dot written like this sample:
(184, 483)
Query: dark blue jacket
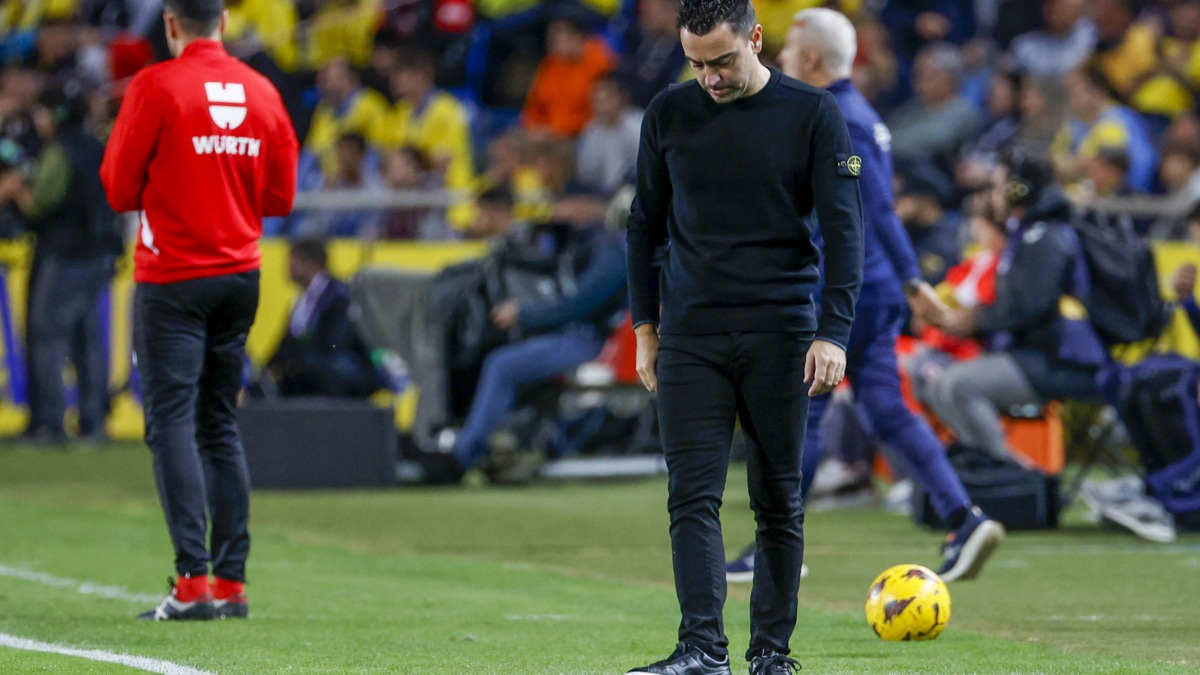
(888, 257)
(597, 267)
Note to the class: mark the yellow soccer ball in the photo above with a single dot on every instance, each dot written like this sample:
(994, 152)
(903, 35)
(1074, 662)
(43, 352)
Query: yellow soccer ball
(908, 602)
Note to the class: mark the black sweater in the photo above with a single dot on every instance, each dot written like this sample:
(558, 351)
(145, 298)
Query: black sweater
(728, 193)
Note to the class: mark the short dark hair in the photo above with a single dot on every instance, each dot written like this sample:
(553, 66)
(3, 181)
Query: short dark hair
(312, 250)
(1114, 156)
(700, 17)
(414, 58)
(198, 18)
(355, 139)
(619, 84)
(499, 195)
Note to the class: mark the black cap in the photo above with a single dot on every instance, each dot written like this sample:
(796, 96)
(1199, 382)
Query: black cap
(197, 10)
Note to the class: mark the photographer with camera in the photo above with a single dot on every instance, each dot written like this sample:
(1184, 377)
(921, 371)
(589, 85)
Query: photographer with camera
(78, 242)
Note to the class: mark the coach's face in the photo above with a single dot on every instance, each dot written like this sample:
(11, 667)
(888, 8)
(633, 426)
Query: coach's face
(724, 61)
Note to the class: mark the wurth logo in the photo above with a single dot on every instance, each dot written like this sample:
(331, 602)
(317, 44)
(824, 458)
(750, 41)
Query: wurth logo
(226, 145)
(226, 116)
(228, 111)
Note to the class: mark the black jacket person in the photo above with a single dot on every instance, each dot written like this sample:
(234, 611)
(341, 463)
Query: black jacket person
(735, 170)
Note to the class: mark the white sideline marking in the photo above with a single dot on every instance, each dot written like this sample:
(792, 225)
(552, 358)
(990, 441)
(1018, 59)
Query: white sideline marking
(84, 587)
(140, 662)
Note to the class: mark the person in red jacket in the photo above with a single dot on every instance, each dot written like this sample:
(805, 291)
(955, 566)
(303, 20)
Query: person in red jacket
(202, 149)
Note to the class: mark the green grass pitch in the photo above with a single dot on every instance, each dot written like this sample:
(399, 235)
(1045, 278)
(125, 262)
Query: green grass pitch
(546, 580)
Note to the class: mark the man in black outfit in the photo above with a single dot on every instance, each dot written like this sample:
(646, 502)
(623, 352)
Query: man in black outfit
(734, 171)
(321, 353)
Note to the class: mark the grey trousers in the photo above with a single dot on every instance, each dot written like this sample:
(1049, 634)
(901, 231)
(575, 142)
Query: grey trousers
(970, 397)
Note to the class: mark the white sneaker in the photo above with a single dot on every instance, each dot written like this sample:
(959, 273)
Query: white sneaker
(834, 475)
(1142, 516)
(899, 498)
(1098, 494)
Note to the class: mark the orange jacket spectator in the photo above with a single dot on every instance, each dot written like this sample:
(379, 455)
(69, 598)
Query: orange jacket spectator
(559, 99)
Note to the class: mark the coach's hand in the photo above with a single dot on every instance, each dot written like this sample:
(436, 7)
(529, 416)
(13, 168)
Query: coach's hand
(824, 367)
(647, 355)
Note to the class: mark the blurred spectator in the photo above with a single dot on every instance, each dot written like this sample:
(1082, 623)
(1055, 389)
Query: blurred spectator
(346, 107)
(934, 126)
(353, 173)
(1179, 174)
(493, 214)
(551, 164)
(549, 336)
(20, 21)
(968, 285)
(1043, 110)
(1012, 19)
(653, 58)
(407, 168)
(341, 29)
(1002, 112)
(321, 353)
(934, 231)
(608, 146)
(503, 159)
(386, 52)
(1062, 45)
(875, 65)
(979, 66)
(54, 51)
(1128, 54)
(1099, 121)
(558, 101)
(915, 25)
(1170, 88)
(1042, 348)
(1108, 172)
(19, 90)
(434, 122)
(78, 241)
(263, 26)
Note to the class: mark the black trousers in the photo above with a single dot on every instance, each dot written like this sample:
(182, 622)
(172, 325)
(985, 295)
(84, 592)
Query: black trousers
(703, 382)
(63, 322)
(190, 337)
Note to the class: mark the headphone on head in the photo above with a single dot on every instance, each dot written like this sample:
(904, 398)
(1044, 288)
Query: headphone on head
(1027, 177)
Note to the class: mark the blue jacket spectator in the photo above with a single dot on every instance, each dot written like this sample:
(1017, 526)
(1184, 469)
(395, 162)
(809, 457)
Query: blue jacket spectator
(550, 336)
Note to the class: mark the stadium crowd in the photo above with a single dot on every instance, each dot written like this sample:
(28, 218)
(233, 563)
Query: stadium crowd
(528, 115)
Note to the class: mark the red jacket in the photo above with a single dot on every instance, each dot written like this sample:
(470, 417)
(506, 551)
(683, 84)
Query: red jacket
(204, 149)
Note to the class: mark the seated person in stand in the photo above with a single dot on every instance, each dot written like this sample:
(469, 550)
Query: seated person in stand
(547, 337)
(321, 354)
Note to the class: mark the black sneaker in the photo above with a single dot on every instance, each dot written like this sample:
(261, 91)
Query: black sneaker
(233, 607)
(171, 609)
(687, 660)
(968, 548)
(771, 662)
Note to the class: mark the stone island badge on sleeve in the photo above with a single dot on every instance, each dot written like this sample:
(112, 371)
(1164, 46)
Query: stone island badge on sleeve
(849, 165)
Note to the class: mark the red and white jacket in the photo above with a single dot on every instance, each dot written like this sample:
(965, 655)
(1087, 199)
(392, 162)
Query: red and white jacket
(203, 149)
